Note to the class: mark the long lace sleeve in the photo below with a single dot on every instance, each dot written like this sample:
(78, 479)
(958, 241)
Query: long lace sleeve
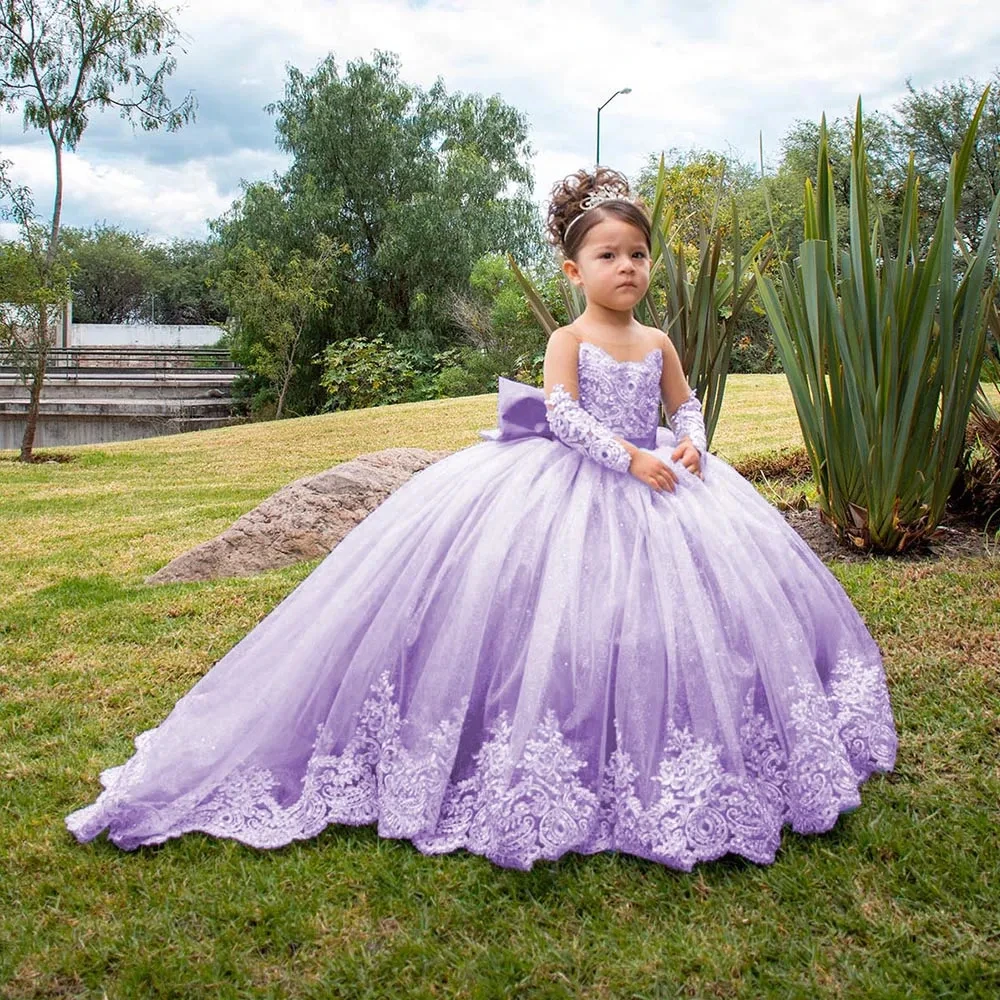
(578, 429)
(687, 421)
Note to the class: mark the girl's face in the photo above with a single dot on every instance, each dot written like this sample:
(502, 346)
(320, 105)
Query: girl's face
(612, 265)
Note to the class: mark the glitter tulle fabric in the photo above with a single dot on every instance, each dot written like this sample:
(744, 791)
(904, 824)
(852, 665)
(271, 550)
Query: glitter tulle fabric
(523, 652)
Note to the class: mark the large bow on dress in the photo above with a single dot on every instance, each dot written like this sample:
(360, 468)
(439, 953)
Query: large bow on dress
(520, 412)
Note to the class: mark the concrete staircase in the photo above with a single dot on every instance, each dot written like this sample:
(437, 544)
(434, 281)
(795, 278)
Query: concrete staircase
(94, 395)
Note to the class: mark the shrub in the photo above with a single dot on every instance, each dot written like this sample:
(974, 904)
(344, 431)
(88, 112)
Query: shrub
(363, 372)
(883, 345)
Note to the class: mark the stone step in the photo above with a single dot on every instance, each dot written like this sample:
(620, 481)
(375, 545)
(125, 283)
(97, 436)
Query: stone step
(98, 395)
(112, 372)
(121, 408)
(67, 429)
(132, 357)
(192, 387)
(129, 374)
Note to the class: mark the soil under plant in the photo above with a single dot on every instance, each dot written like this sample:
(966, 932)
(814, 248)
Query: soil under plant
(788, 480)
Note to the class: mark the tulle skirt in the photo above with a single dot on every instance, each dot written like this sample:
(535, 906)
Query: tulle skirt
(522, 653)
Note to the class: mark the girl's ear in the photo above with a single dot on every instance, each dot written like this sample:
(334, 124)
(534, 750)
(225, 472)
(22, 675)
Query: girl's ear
(571, 271)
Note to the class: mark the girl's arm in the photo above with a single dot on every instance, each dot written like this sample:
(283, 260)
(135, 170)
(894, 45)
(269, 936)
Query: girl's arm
(570, 422)
(681, 402)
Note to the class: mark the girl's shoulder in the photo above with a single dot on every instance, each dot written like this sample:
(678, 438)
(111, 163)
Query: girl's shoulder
(655, 332)
(569, 330)
(660, 339)
(565, 335)
(656, 338)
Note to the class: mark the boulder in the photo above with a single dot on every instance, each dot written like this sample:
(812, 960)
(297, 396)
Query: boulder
(303, 520)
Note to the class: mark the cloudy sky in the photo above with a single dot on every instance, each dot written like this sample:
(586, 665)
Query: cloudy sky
(704, 73)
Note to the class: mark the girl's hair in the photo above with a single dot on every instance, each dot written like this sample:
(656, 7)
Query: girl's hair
(565, 206)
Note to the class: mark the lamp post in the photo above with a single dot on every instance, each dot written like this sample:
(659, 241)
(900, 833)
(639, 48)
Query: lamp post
(624, 90)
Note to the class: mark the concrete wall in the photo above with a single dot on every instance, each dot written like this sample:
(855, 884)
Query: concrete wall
(120, 335)
(65, 429)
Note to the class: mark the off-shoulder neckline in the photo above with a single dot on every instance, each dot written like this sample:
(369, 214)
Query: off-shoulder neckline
(608, 354)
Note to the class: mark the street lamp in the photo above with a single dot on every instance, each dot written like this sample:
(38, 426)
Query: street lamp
(624, 90)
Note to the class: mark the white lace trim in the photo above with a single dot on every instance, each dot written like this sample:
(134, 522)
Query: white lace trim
(516, 812)
(688, 420)
(578, 429)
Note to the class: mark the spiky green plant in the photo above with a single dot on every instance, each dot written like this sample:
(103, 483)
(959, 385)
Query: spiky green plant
(984, 409)
(978, 490)
(882, 347)
(698, 310)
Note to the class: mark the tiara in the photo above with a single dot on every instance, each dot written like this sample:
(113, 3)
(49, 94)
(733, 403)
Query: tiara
(602, 194)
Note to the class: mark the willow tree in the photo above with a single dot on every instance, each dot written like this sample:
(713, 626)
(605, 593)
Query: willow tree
(60, 60)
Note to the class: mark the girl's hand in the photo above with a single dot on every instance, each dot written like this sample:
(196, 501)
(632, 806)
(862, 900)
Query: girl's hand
(652, 471)
(687, 454)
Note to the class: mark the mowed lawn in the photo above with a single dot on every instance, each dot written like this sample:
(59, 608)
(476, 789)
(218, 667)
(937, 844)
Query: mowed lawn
(901, 899)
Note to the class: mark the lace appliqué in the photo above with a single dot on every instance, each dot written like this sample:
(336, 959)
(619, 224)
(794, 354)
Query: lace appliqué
(623, 395)
(618, 399)
(374, 778)
(580, 430)
(688, 420)
(705, 810)
(518, 811)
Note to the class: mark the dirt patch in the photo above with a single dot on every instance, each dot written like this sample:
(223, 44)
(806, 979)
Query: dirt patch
(959, 535)
(955, 538)
(41, 458)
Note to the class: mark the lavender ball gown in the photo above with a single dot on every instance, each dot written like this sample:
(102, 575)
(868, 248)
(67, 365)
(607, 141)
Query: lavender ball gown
(522, 653)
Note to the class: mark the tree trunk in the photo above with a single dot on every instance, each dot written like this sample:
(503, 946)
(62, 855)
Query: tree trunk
(289, 372)
(281, 394)
(37, 380)
(42, 342)
(53, 247)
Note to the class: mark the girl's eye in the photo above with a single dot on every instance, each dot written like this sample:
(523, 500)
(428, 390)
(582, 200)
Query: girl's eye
(639, 253)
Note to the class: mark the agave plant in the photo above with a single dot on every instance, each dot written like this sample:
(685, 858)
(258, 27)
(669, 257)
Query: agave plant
(984, 409)
(698, 312)
(978, 489)
(882, 347)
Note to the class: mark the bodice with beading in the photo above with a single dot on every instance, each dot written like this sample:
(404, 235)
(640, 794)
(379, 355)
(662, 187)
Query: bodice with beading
(622, 395)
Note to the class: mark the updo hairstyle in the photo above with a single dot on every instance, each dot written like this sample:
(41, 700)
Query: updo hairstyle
(566, 205)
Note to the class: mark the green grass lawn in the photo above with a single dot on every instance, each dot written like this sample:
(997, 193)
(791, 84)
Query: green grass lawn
(901, 899)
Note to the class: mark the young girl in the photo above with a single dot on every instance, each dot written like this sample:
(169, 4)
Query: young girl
(584, 634)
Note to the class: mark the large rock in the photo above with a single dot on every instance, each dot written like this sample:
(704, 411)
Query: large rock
(303, 520)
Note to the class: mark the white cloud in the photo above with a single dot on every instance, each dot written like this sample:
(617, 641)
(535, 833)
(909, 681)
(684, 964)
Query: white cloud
(712, 75)
(161, 200)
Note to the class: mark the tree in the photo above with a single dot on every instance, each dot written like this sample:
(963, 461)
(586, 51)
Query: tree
(113, 274)
(34, 285)
(123, 277)
(700, 186)
(405, 171)
(503, 336)
(32, 288)
(62, 59)
(271, 304)
(184, 286)
(933, 123)
(886, 167)
(706, 194)
(25, 295)
(419, 184)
